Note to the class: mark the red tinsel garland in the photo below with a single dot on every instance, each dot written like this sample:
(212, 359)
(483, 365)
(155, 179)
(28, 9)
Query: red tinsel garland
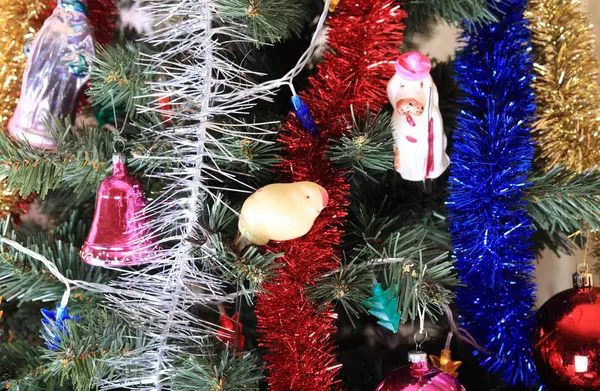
(364, 38)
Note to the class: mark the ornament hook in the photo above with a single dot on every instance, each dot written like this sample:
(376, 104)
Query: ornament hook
(422, 330)
(119, 145)
(420, 337)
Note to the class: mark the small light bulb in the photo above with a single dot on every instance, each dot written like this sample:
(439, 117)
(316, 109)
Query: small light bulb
(581, 364)
(445, 357)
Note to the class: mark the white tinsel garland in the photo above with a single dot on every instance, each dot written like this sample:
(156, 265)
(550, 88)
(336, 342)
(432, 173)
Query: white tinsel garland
(202, 85)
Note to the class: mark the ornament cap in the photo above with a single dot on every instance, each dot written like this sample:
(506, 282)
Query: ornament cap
(419, 366)
(75, 5)
(119, 169)
(582, 278)
(417, 356)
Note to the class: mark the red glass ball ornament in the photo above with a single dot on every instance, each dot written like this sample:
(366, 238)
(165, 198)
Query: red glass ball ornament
(566, 346)
(418, 376)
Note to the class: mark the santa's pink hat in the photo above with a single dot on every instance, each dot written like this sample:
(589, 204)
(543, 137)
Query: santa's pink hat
(413, 66)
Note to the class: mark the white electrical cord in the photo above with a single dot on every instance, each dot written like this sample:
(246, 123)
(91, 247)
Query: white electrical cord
(288, 78)
(89, 286)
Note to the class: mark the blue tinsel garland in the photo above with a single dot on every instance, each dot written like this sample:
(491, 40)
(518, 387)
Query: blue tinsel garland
(491, 160)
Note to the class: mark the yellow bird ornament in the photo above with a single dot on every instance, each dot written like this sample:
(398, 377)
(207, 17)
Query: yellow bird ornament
(281, 211)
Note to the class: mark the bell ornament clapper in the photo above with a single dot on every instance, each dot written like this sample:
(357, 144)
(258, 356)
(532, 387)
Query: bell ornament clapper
(119, 235)
(57, 69)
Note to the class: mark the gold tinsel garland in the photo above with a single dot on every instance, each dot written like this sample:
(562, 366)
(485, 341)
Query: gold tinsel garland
(19, 20)
(566, 70)
(11, 203)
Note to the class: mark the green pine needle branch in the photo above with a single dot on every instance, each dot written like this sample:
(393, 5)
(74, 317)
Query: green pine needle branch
(20, 321)
(253, 155)
(423, 12)
(405, 258)
(348, 286)
(80, 161)
(83, 359)
(17, 359)
(248, 267)
(217, 368)
(367, 230)
(218, 216)
(119, 80)
(563, 201)
(35, 381)
(424, 283)
(368, 145)
(269, 21)
(27, 280)
(423, 273)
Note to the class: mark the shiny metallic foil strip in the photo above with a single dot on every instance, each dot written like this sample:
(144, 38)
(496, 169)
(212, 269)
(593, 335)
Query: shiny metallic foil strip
(19, 21)
(567, 129)
(12, 204)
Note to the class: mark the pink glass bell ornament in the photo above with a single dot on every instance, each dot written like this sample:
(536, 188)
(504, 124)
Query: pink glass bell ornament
(418, 376)
(119, 235)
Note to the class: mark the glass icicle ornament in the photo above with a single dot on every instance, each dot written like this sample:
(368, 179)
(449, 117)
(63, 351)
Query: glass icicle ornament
(19, 20)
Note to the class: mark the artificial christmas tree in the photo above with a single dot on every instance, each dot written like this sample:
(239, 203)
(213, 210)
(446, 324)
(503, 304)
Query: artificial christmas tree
(279, 248)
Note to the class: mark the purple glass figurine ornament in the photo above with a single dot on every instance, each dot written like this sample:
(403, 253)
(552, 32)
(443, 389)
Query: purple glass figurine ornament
(56, 71)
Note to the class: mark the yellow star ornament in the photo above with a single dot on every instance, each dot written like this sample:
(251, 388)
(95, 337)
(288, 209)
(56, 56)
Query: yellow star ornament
(444, 363)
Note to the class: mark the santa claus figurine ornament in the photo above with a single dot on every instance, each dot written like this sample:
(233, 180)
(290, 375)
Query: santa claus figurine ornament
(419, 139)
